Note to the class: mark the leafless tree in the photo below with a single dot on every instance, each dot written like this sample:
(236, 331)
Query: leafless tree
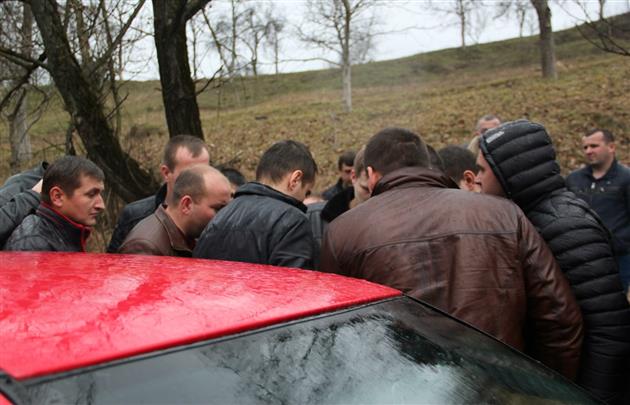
(522, 10)
(17, 32)
(76, 63)
(178, 88)
(610, 34)
(546, 41)
(344, 28)
(469, 15)
(276, 24)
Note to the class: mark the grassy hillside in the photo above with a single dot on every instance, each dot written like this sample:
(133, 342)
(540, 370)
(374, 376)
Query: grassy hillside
(439, 94)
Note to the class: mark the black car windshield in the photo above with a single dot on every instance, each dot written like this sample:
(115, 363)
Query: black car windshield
(396, 351)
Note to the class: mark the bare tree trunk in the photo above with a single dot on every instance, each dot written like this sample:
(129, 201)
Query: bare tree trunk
(461, 12)
(547, 46)
(123, 174)
(276, 53)
(178, 88)
(346, 63)
(602, 3)
(21, 152)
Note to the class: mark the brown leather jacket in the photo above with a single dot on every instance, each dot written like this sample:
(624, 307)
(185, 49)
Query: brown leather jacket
(157, 235)
(474, 256)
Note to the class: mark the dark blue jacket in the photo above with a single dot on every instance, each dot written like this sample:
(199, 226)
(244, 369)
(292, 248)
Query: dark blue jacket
(609, 196)
(261, 225)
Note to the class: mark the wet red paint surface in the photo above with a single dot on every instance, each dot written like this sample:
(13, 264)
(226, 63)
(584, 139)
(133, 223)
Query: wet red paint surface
(60, 311)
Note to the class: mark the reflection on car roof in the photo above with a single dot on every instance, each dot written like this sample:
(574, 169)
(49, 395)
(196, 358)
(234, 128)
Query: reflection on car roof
(60, 311)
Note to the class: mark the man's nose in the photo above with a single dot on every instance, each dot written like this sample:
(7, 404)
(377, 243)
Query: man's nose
(100, 203)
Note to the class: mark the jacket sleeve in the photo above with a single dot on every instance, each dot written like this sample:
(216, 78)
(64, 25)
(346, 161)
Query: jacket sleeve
(15, 210)
(583, 250)
(328, 258)
(554, 322)
(295, 247)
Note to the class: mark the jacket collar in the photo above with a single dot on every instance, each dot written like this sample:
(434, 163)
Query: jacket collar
(255, 188)
(611, 173)
(75, 233)
(178, 240)
(408, 177)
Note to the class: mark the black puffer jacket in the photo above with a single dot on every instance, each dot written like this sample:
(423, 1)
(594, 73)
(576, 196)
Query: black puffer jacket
(48, 230)
(133, 213)
(261, 225)
(522, 157)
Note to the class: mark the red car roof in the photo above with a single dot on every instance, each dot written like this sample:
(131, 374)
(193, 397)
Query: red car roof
(60, 311)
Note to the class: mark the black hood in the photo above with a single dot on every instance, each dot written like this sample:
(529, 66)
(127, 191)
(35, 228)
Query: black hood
(523, 159)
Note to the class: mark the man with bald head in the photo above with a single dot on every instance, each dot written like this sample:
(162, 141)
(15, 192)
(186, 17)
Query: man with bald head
(199, 192)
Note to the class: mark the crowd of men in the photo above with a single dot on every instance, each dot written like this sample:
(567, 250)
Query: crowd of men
(489, 232)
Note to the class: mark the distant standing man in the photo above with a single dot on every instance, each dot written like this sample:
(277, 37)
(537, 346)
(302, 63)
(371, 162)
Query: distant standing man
(71, 201)
(266, 223)
(344, 164)
(198, 194)
(604, 184)
(181, 151)
(484, 264)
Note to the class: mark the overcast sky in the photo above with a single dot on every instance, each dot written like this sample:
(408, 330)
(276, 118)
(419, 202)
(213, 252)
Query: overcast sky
(408, 27)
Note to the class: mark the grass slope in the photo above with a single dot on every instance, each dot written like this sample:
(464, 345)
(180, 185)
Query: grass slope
(438, 94)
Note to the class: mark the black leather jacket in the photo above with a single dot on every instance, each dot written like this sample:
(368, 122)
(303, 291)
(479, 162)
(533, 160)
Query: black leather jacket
(48, 230)
(261, 225)
(133, 213)
(523, 159)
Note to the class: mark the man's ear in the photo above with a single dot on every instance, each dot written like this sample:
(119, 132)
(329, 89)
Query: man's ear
(57, 196)
(295, 178)
(353, 175)
(185, 204)
(164, 171)
(468, 181)
(373, 178)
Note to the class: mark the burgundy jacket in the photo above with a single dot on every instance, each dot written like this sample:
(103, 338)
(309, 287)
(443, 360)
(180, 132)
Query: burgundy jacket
(474, 256)
(157, 235)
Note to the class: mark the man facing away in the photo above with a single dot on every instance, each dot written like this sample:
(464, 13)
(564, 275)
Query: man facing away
(344, 164)
(518, 161)
(71, 201)
(460, 165)
(181, 151)
(605, 185)
(266, 221)
(485, 264)
(198, 194)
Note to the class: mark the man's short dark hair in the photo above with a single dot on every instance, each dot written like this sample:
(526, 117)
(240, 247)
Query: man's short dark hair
(608, 136)
(66, 174)
(195, 145)
(285, 157)
(190, 182)
(395, 148)
(434, 159)
(346, 158)
(234, 176)
(457, 160)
